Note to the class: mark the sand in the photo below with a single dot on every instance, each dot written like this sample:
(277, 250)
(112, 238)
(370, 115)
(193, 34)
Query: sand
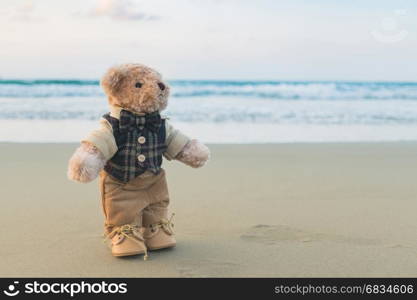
(327, 210)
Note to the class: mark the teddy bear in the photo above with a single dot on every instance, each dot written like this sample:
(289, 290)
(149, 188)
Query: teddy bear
(126, 153)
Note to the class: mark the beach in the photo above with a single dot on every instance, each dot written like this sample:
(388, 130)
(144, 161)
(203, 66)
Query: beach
(265, 210)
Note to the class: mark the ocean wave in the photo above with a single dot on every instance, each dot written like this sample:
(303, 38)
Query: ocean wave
(277, 90)
(225, 110)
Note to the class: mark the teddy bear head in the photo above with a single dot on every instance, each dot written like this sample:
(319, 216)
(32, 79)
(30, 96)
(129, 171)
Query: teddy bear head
(135, 87)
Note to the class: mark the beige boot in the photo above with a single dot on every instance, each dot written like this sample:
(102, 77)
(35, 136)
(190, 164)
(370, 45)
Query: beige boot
(160, 235)
(127, 240)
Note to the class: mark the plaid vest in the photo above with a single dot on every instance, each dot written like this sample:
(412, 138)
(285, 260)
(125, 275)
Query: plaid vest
(140, 142)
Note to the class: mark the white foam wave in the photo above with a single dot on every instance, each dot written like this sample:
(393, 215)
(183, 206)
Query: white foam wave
(220, 110)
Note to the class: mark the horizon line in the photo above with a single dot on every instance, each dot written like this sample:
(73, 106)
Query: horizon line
(69, 79)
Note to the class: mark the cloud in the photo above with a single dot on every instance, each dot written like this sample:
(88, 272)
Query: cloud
(120, 10)
(26, 7)
(25, 13)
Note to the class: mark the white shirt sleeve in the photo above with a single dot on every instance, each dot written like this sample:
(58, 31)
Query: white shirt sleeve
(175, 141)
(103, 139)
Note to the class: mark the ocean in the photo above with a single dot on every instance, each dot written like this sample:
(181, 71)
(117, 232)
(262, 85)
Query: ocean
(222, 111)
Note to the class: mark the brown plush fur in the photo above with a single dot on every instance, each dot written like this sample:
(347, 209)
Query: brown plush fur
(119, 83)
(85, 164)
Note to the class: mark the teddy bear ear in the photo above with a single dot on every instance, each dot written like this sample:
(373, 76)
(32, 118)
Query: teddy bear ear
(112, 80)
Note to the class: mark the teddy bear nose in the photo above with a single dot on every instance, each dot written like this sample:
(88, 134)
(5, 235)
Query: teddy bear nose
(161, 86)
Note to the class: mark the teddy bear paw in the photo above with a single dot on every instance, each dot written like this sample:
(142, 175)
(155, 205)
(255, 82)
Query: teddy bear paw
(195, 154)
(85, 164)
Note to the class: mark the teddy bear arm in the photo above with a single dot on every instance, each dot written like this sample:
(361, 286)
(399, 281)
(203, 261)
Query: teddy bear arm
(86, 163)
(194, 154)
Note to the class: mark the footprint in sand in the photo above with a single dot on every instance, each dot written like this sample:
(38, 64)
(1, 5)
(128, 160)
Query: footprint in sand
(206, 268)
(271, 235)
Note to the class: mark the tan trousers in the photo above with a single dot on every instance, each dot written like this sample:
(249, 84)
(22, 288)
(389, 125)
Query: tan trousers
(142, 201)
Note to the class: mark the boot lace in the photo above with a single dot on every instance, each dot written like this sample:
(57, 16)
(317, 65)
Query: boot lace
(130, 232)
(165, 225)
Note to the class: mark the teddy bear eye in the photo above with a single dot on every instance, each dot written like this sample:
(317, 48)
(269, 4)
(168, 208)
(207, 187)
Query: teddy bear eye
(138, 85)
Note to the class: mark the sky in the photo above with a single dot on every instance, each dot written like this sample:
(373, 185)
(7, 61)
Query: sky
(211, 39)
